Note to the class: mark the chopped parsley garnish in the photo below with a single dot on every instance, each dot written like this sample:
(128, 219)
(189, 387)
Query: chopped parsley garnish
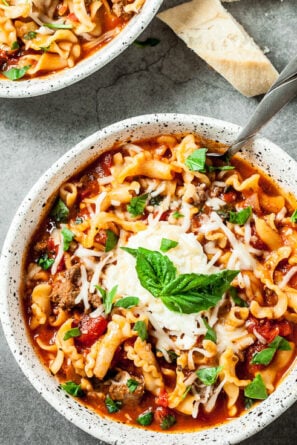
(294, 216)
(15, 45)
(167, 244)
(113, 406)
(68, 237)
(30, 35)
(167, 422)
(208, 376)
(237, 300)
(210, 333)
(177, 215)
(16, 73)
(256, 389)
(145, 418)
(73, 389)
(132, 385)
(185, 393)
(137, 205)
(73, 332)
(45, 262)
(127, 302)
(240, 217)
(150, 41)
(141, 329)
(184, 293)
(107, 297)
(155, 200)
(111, 240)
(265, 356)
(60, 211)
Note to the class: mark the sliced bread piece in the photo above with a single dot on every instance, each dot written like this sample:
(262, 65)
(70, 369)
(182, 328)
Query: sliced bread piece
(209, 30)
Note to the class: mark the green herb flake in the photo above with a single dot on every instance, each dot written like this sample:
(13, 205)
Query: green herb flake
(132, 385)
(210, 333)
(45, 262)
(141, 329)
(294, 216)
(248, 403)
(68, 237)
(156, 200)
(73, 389)
(212, 168)
(145, 418)
(16, 73)
(15, 45)
(74, 332)
(44, 48)
(240, 217)
(113, 406)
(186, 392)
(127, 302)
(167, 244)
(78, 220)
(60, 211)
(256, 389)
(137, 205)
(107, 297)
(196, 160)
(111, 240)
(58, 25)
(265, 356)
(177, 215)
(208, 376)
(280, 343)
(150, 41)
(167, 422)
(30, 35)
(237, 300)
(172, 356)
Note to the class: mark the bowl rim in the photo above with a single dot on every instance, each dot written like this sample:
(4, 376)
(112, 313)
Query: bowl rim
(53, 82)
(105, 429)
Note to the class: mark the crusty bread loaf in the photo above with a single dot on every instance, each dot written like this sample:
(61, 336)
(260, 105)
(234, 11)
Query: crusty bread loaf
(209, 30)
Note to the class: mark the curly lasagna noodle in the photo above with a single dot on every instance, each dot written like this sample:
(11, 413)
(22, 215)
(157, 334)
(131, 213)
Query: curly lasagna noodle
(42, 36)
(161, 289)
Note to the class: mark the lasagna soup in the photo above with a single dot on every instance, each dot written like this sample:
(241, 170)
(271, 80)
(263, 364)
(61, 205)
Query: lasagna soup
(42, 36)
(161, 288)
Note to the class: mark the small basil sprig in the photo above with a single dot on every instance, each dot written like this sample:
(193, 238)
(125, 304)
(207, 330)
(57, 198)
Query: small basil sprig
(168, 421)
(127, 302)
(137, 205)
(111, 240)
(208, 376)
(73, 389)
(58, 26)
(113, 406)
(210, 333)
(60, 211)
(141, 329)
(240, 217)
(107, 297)
(145, 418)
(132, 385)
(167, 244)
(68, 237)
(256, 389)
(185, 293)
(196, 161)
(265, 356)
(73, 332)
(294, 216)
(235, 297)
(16, 73)
(45, 262)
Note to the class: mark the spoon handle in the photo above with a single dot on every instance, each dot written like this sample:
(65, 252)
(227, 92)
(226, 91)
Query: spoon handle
(281, 92)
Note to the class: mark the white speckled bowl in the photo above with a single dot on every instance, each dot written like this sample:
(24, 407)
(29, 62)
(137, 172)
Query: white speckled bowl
(63, 78)
(264, 153)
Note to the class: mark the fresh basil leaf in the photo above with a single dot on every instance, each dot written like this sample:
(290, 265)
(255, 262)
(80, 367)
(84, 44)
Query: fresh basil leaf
(141, 329)
(212, 168)
(196, 160)
(16, 73)
(74, 332)
(156, 200)
(137, 205)
(167, 244)
(15, 45)
(58, 25)
(101, 290)
(248, 403)
(237, 300)
(154, 270)
(68, 237)
(240, 217)
(280, 343)
(263, 357)
(127, 302)
(145, 418)
(60, 211)
(45, 262)
(73, 389)
(208, 376)
(132, 385)
(113, 406)
(167, 421)
(107, 301)
(111, 240)
(132, 252)
(210, 333)
(150, 41)
(30, 35)
(256, 389)
(294, 216)
(177, 215)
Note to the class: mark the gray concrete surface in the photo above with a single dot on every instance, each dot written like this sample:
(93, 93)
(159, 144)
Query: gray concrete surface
(166, 78)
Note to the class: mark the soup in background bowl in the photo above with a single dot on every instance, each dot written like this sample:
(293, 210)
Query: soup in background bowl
(158, 287)
(48, 47)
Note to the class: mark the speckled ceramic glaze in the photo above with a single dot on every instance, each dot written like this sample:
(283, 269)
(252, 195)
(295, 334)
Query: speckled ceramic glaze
(263, 153)
(63, 78)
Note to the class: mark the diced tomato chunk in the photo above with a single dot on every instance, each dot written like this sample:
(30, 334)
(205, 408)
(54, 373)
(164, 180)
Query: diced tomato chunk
(100, 237)
(91, 329)
(165, 216)
(72, 17)
(229, 197)
(104, 164)
(269, 329)
(162, 399)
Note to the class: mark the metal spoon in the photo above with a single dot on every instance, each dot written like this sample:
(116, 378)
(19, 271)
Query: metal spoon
(282, 91)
